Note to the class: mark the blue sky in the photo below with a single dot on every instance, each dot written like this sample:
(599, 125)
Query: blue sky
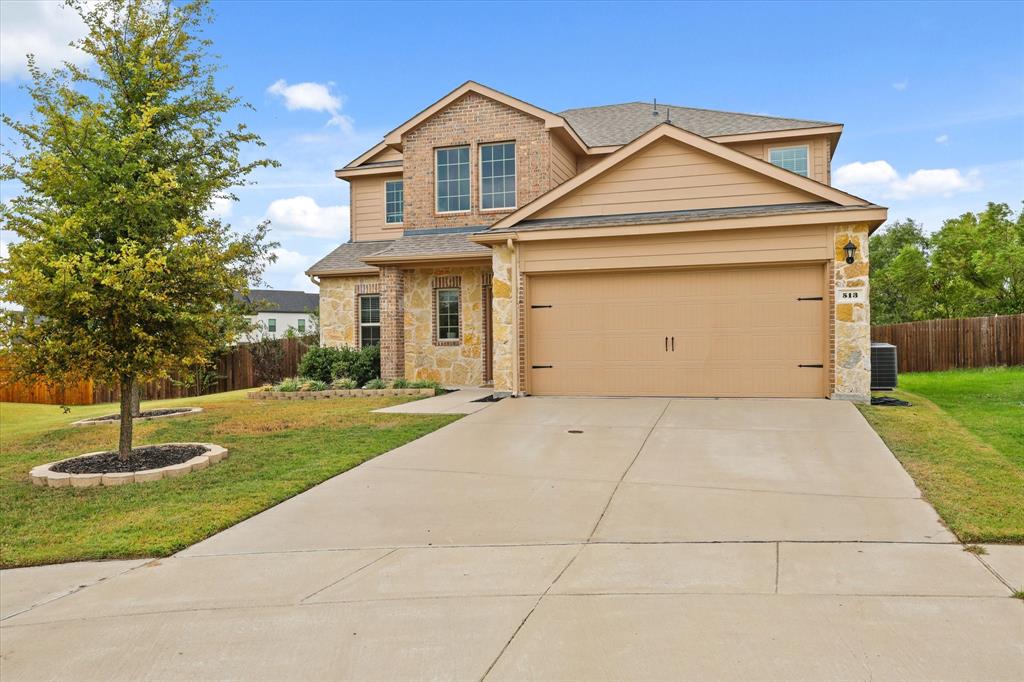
(932, 95)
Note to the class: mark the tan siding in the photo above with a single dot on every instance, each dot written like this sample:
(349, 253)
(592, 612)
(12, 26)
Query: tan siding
(818, 153)
(728, 247)
(388, 154)
(563, 162)
(367, 209)
(586, 162)
(670, 176)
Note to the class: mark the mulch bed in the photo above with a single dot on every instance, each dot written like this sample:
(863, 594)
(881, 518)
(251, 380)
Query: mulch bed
(144, 413)
(146, 457)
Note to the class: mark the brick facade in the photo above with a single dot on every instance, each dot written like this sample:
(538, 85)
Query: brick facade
(473, 120)
(392, 323)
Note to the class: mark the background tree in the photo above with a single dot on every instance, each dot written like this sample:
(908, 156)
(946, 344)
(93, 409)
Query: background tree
(972, 266)
(977, 263)
(122, 274)
(901, 289)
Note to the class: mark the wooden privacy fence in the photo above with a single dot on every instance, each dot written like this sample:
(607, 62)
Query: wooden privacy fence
(935, 345)
(231, 371)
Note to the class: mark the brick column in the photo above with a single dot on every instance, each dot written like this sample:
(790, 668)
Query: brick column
(392, 323)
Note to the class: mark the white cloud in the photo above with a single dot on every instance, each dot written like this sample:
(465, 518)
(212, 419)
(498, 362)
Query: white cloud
(901, 85)
(43, 28)
(880, 176)
(302, 215)
(289, 270)
(222, 208)
(312, 97)
(942, 139)
(870, 173)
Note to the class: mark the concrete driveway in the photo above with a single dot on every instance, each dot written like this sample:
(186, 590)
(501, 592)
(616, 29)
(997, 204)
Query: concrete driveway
(559, 539)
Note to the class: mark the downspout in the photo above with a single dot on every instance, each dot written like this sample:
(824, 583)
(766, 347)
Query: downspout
(514, 257)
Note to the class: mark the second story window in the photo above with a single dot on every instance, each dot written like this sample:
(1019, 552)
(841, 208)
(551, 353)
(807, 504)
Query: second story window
(394, 201)
(498, 175)
(791, 158)
(452, 173)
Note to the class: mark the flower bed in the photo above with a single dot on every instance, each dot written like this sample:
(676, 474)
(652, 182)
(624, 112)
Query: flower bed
(339, 393)
(164, 413)
(199, 456)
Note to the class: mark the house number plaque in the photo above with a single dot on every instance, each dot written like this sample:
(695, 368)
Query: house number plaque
(850, 295)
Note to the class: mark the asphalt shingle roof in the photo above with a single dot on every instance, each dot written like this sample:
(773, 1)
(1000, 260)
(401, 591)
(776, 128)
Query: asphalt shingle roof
(434, 245)
(276, 300)
(689, 215)
(346, 257)
(618, 124)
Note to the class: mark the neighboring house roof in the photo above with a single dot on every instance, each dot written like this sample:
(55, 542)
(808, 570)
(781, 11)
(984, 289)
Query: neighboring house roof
(690, 215)
(619, 124)
(347, 259)
(665, 130)
(278, 301)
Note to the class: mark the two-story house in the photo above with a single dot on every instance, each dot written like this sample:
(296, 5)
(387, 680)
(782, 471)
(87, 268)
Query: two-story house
(626, 249)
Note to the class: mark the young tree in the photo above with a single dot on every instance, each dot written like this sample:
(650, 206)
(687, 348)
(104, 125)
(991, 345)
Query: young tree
(122, 274)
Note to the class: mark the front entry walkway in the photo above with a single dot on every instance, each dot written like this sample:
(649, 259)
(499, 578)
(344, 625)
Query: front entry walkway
(548, 538)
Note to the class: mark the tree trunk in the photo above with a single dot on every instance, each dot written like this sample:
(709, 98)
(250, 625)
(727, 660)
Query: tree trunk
(137, 400)
(124, 443)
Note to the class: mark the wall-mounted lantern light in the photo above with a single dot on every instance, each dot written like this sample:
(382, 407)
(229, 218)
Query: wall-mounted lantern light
(850, 248)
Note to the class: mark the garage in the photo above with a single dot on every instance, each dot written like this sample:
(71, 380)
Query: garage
(751, 331)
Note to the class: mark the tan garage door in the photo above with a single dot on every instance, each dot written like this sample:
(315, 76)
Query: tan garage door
(753, 331)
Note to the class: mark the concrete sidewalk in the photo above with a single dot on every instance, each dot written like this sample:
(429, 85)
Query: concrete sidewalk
(565, 539)
(461, 401)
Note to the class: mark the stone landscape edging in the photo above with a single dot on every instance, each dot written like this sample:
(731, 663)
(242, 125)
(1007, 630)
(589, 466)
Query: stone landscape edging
(93, 421)
(43, 475)
(339, 393)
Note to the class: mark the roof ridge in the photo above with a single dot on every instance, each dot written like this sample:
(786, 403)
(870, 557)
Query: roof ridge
(689, 108)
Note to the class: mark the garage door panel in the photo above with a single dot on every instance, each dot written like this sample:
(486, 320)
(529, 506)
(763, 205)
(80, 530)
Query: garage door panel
(738, 332)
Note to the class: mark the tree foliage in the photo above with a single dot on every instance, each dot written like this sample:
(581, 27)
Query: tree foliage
(122, 273)
(972, 266)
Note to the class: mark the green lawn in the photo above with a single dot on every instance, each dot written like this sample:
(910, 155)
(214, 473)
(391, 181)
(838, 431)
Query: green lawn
(277, 450)
(963, 443)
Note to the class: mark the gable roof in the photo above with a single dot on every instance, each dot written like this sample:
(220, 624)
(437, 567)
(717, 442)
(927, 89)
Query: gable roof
(666, 130)
(280, 301)
(619, 124)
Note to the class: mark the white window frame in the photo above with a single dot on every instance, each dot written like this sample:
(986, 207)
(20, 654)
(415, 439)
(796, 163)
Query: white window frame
(387, 215)
(458, 316)
(437, 181)
(805, 147)
(272, 325)
(515, 178)
(301, 325)
(362, 324)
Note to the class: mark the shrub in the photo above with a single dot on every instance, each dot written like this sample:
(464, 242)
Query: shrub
(375, 384)
(427, 383)
(318, 361)
(267, 359)
(288, 385)
(360, 365)
(400, 383)
(344, 383)
(314, 385)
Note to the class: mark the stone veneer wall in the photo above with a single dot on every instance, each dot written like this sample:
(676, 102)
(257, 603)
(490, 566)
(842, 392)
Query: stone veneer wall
(459, 364)
(851, 325)
(473, 120)
(503, 312)
(338, 308)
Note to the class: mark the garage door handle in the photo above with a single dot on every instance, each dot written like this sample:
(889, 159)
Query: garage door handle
(540, 306)
(673, 344)
(542, 366)
(666, 344)
(818, 366)
(810, 298)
